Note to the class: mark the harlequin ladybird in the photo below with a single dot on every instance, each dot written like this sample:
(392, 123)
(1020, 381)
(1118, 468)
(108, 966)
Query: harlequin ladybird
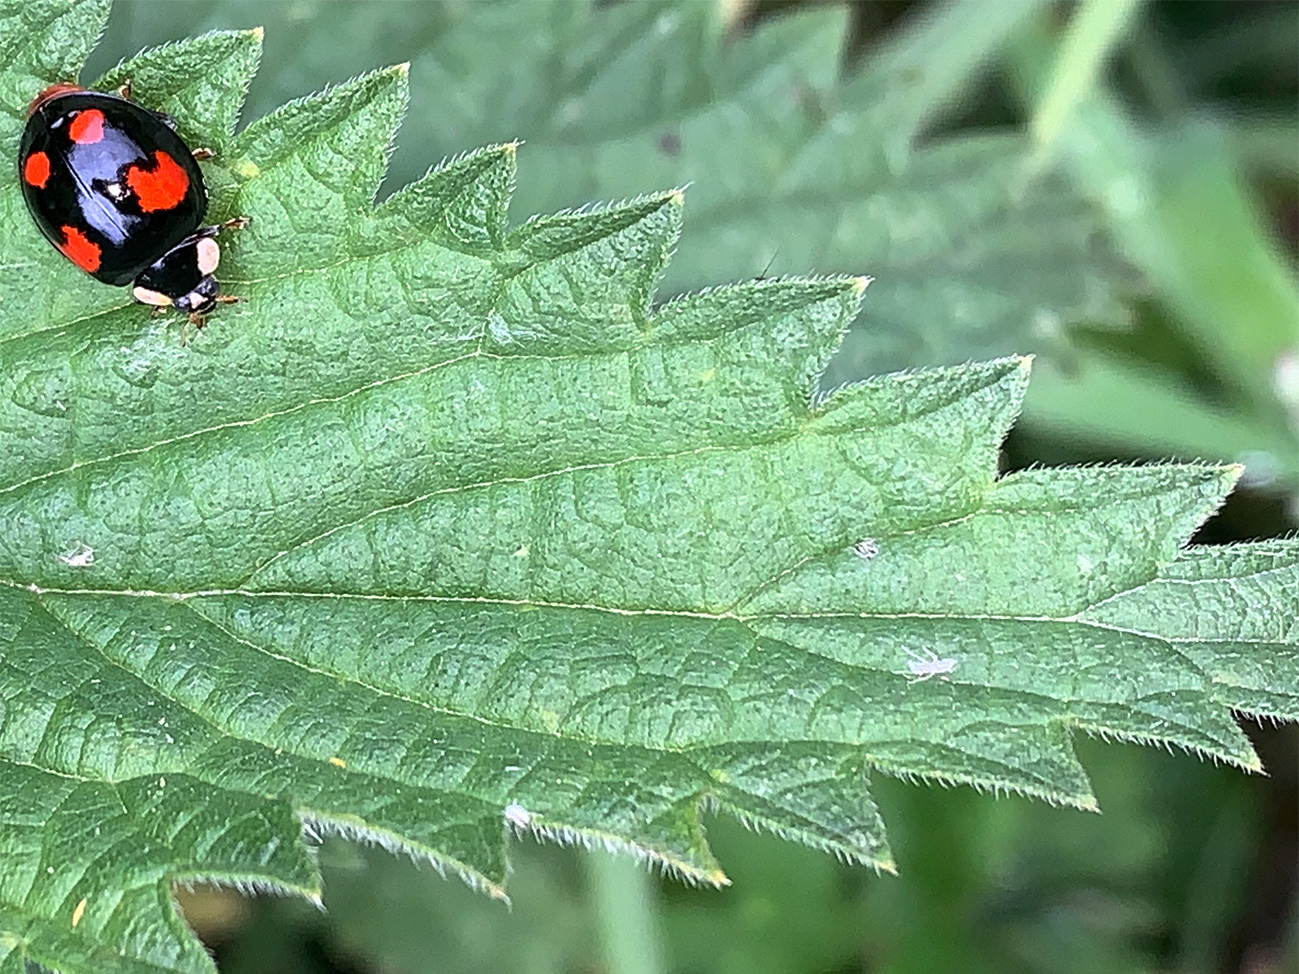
(118, 192)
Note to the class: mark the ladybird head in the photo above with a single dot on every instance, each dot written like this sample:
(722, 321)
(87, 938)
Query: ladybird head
(183, 277)
(202, 299)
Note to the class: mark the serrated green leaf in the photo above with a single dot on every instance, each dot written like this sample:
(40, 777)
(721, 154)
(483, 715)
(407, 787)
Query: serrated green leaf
(793, 167)
(447, 530)
(792, 170)
(199, 83)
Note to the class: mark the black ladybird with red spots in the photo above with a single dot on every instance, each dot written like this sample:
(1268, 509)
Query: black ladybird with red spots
(121, 195)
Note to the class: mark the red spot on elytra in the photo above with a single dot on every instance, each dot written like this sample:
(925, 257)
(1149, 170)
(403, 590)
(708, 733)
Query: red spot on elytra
(80, 249)
(36, 170)
(160, 187)
(87, 127)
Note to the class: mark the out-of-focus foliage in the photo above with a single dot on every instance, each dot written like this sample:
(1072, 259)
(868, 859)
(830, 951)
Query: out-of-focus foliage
(1212, 364)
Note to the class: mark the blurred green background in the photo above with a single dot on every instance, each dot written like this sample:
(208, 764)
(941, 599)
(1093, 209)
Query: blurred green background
(1163, 263)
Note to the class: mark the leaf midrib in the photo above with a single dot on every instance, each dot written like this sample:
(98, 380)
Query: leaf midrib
(1072, 619)
(688, 752)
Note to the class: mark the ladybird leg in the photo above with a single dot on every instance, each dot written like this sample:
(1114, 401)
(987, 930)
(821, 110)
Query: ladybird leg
(238, 223)
(194, 321)
(227, 299)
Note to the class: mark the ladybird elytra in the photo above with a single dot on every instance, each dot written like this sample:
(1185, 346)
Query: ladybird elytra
(118, 192)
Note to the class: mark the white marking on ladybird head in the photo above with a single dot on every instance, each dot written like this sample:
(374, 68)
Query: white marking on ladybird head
(78, 555)
(209, 255)
(146, 296)
(926, 666)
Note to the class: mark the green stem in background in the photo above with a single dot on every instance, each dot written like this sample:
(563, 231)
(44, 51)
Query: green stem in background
(1088, 40)
(622, 892)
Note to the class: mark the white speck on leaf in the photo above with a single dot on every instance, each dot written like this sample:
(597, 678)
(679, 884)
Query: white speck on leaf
(928, 665)
(78, 555)
(866, 548)
(499, 329)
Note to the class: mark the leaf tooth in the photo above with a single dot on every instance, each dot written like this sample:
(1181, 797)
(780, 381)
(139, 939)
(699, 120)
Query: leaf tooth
(1199, 725)
(672, 841)
(901, 396)
(461, 202)
(1227, 593)
(548, 237)
(487, 876)
(1181, 498)
(341, 137)
(816, 794)
(697, 315)
(576, 282)
(802, 321)
(200, 81)
(1034, 759)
